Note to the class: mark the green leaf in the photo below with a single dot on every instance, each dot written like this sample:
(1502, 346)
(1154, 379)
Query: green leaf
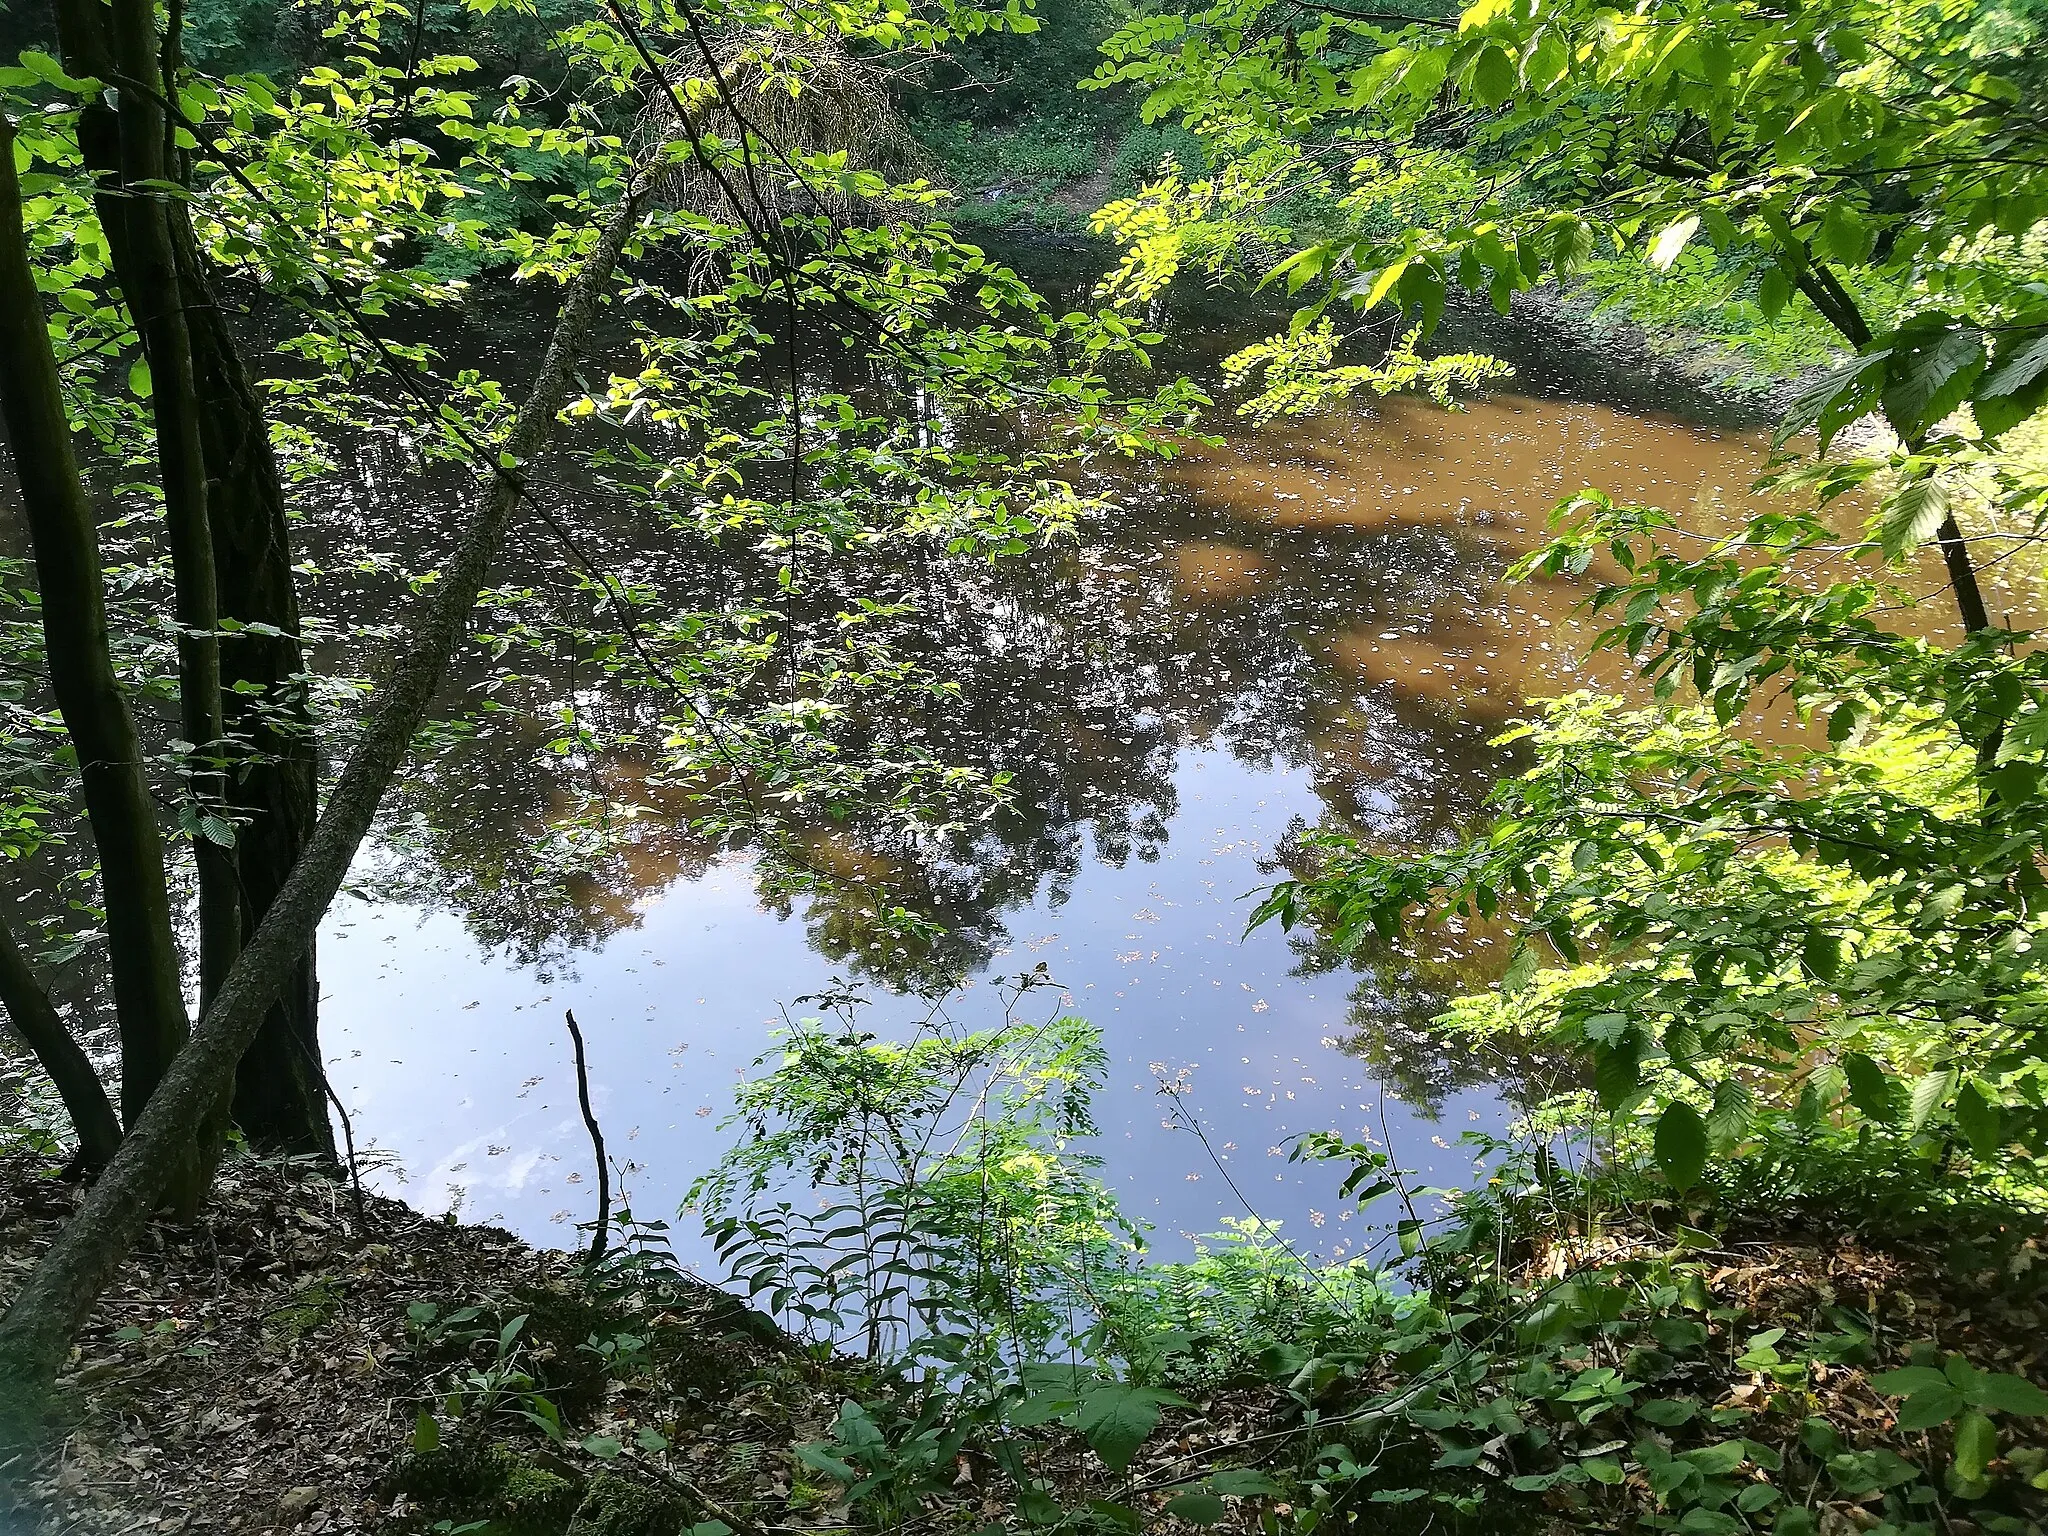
(1913, 1378)
(2025, 361)
(1039, 1507)
(1928, 375)
(1037, 1410)
(1604, 1469)
(1243, 1482)
(1717, 1459)
(1422, 292)
(1681, 1145)
(1910, 517)
(1668, 1412)
(1930, 1406)
(1546, 61)
(2014, 386)
(140, 384)
(1197, 1508)
(1383, 283)
(1115, 1420)
(1699, 1521)
(1493, 76)
(1980, 1121)
(426, 1432)
(818, 1459)
(1821, 954)
(1773, 293)
(2010, 1394)
(1835, 399)
(603, 1447)
(1729, 1119)
(1521, 970)
(1841, 233)
(1930, 1091)
(1615, 1073)
(1672, 240)
(1869, 1090)
(2015, 782)
(1976, 1445)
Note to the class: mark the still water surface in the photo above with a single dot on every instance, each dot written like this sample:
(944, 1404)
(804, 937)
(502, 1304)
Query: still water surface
(1304, 627)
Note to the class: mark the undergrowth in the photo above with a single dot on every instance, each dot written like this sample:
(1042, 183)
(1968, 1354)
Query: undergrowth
(1828, 1333)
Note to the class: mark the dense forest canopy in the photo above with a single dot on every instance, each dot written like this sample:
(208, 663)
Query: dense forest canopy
(1781, 909)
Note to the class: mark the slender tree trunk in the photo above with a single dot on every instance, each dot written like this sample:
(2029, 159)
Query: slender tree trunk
(141, 948)
(41, 1028)
(58, 1295)
(1962, 576)
(150, 284)
(1838, 307)
(272, 784)
(280, 1098)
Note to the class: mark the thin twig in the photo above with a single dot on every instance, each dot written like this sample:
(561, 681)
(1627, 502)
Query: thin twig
(604, 1172)
(348, 1130)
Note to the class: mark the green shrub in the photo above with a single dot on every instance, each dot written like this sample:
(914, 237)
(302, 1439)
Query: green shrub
(1145, 150)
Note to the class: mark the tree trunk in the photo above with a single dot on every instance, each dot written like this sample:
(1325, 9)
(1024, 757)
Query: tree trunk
(59, 1294)
(280, 1099)
(1838, 307)
(142, 951)
(41, 1028)
(150, 284)
(272, 784)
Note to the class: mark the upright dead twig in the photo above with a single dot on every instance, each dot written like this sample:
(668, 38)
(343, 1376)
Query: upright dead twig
(604, 1172)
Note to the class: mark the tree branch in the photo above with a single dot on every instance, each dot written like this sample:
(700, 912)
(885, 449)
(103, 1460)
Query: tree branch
(41, 1028)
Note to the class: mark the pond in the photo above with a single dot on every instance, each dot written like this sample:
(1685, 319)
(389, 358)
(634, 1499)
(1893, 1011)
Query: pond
(1306, 626)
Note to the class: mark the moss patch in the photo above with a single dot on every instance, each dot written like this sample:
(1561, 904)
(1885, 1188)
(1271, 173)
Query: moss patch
(469, 1481)
(617, 1506)
(559, 1322)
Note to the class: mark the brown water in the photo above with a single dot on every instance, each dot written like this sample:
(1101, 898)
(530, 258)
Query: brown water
(1304, 627)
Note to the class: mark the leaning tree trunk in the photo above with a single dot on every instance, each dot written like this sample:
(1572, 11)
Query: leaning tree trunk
(142, 949)
(35, 1335)
(1838, 307)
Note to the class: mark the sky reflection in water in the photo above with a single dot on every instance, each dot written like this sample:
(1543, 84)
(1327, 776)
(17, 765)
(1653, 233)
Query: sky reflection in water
(1304, 627)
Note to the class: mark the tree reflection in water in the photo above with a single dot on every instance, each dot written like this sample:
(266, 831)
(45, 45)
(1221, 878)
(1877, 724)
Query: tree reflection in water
(1312, 607)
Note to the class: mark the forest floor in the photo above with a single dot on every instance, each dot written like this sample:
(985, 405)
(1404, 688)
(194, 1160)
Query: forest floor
(292, 1362)
(264, 1368)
